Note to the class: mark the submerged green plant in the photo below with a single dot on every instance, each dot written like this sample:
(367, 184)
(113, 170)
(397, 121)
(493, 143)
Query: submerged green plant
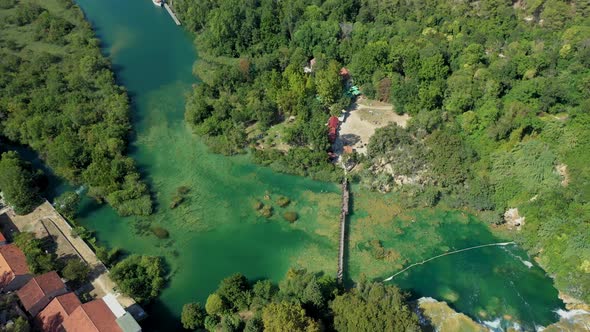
(291, 216)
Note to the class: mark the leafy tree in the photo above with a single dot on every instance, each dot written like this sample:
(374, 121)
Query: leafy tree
(20, 325)
(75, 270)
(67, 204)
(66, 106)
(193, 316)
(214, 305)
(285, 316)
(17, 183)
(254, 324)
(373, 307)
(141, 277)
(235, 292)
(38, 260)
(329, 83)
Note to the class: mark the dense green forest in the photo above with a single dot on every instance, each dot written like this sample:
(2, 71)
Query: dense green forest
(59, 97)
(301, 302)
(18, 183)
(498, 92)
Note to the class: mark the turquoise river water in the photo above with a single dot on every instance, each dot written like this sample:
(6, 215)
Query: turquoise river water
(216, 232)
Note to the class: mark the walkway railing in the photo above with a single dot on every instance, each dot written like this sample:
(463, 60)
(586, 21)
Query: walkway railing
(343, 215)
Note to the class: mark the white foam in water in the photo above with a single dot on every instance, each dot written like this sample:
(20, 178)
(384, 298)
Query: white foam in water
(565, 314)
(516, 326)
(493, 324)
(80, 190)
(426, 300)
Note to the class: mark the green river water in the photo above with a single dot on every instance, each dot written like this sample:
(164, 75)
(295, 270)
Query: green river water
(216, 232)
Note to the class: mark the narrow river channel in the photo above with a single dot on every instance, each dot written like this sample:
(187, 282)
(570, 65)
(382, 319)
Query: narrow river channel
(217, 232)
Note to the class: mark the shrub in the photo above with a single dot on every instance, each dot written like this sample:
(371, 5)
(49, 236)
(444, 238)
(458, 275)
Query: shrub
(266, 211)
(75, 270)
(183, 190)
(141, 277)
(193, 316)
(290, 216)
(160, 232)
(257, 205)
(176, 201)
(283, 201)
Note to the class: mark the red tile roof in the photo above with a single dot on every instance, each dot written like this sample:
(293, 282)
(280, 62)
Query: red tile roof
(333, 122)
(54, 314)
(94, 316)
(12, 263)
(37, 288)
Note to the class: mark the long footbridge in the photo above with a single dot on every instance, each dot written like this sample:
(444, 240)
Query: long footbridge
(343, 217)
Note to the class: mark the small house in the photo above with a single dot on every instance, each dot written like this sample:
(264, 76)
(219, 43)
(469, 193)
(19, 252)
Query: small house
(14, 271)
(52, 317)
(333, 122)
(2, 239)
(93, 316)
(40, 290)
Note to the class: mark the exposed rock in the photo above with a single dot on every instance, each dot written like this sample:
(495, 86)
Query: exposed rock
(442, 318)
(561, 169)
(513, 219)
(574, 320)
(571, 303)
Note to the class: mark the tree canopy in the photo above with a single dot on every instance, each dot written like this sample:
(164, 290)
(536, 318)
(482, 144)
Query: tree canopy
(497, 91)
(141, 277)
(302, 301)
(17, 183)
(58, 96)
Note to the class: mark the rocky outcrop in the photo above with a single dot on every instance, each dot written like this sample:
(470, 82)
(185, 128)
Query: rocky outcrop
(513, 219)
(561, 169)
(571, 303)
(442, 318)
(573, 320)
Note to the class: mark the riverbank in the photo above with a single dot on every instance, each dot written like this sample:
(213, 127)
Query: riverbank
(46, 223)
(216, 230)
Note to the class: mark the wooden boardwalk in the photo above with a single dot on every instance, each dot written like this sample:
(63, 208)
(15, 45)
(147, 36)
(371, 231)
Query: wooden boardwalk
(169, 10)
(343, 215)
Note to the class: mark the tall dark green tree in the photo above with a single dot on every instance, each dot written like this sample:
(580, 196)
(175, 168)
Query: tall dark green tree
(17, 183)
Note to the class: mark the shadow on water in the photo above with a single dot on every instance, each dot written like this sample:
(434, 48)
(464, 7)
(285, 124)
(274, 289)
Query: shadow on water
(53, 185)
(164, 321)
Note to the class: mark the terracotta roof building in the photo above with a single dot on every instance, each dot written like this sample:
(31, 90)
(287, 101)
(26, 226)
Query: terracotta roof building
(94, 316)
(333, 122)
(344, 72)
(2, 239)
(40, 290)
(51, 318)
(14, 272)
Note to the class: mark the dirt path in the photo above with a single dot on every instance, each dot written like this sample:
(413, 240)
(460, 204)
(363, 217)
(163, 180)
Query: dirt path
(362, 120)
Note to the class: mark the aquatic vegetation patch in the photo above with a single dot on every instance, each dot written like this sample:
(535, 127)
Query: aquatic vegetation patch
(290, 216)
(160, 232)
(257, 205)
(266, 211)
(179, 197)
(283, 201)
